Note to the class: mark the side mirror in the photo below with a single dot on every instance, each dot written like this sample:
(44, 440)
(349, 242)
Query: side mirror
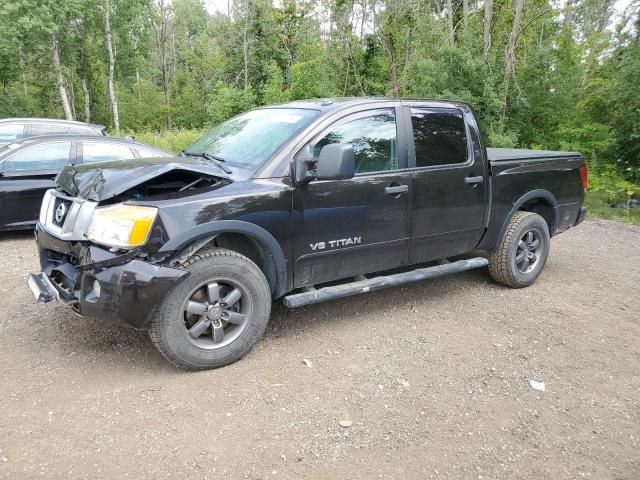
(336, 162)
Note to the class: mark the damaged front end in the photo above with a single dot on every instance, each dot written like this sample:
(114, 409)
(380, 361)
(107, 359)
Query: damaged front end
(97, 282)
(136, 179)
(88, 267)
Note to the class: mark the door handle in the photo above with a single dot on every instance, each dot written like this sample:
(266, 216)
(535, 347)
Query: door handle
(473, 180)
(396, 190)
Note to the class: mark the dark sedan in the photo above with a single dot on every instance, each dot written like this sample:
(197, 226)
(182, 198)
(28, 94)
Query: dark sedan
(13, 129)
(28, 168)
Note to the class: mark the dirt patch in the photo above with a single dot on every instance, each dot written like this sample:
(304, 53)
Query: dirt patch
(433, 379)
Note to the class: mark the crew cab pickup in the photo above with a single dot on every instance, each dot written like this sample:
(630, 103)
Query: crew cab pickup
(306, 201)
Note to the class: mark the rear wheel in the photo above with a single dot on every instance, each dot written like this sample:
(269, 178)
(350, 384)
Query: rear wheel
(522, 252)
(214, 316)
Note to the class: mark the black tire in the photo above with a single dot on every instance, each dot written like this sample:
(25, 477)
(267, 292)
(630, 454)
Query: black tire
(511, 264)
(172, 322)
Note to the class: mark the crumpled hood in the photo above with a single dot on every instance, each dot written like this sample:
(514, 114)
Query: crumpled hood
(104, 180)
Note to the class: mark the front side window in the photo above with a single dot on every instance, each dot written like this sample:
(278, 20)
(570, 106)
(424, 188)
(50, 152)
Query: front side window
(439, 135)
(374, 140)
(250, 138)
(103, 152)
(46, 156)
(10, 133)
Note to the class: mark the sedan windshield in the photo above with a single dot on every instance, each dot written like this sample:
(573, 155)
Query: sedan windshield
(7, 148)
(249, 139)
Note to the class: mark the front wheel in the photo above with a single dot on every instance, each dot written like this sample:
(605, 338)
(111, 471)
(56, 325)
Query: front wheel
(214, 316)
(523, 251)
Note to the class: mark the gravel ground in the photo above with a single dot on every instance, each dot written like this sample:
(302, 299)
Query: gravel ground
(433, 376)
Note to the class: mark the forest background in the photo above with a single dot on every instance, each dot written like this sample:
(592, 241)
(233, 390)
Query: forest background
(540, 73)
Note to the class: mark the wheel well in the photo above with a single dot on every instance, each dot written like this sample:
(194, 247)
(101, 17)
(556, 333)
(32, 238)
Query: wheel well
(543, 208)
(250, 248)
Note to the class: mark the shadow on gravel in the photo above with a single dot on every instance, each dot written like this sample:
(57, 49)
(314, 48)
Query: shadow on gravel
(100, 341)
(16, 235)
(386, 302)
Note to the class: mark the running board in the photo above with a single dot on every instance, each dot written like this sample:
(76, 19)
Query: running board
(312, 296)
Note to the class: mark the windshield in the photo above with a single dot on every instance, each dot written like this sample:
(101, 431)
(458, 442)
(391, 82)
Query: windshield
(250, 138)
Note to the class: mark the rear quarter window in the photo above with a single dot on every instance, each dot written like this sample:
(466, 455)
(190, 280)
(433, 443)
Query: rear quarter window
(439, 135)
(83, 131)
(46, 129)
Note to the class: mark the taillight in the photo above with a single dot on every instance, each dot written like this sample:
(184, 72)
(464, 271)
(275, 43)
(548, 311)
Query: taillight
(584, 177)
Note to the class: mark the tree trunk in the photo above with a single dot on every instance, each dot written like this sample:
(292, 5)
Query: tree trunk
(162, 33)
(510, 58)
(112, 65)
(23, 70)
(465, 13)
(509, 63)
(568, 13)
(87, 100)
(72, 98)
(488, 17)
(450, 20)
(245, 45)
(64, 98)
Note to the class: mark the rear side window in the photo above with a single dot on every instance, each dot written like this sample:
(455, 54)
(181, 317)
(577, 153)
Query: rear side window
(45, 156)
(440, 136)
(10, 133)
(46, 129)
(103, 152)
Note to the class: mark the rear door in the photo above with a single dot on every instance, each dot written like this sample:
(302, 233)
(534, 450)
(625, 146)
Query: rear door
(449, 183)
(344, 228)
(25, 176)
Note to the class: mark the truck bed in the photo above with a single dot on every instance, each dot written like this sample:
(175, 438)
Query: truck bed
(506, 154)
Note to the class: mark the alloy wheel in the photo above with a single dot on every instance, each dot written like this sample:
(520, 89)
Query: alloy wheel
(215, 314)
(528, 251)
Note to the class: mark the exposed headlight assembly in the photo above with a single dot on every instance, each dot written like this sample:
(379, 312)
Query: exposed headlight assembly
(121, 225)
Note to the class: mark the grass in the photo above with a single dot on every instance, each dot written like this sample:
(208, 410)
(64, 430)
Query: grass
(171, 141)
(598, 205)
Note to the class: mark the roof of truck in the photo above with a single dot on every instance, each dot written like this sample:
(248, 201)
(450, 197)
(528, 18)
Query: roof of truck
(501, 154)
(335, 103)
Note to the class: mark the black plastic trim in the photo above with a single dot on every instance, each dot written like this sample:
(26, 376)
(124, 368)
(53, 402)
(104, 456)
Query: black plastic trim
(237, 226)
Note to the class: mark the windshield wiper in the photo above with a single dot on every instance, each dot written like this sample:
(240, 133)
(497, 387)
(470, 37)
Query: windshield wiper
(218, 161)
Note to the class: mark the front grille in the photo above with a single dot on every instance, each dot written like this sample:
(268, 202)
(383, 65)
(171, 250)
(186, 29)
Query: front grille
(67, 218)
(61, 207)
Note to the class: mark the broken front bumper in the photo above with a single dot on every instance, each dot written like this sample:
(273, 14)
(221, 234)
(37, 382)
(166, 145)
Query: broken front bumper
(98, 283)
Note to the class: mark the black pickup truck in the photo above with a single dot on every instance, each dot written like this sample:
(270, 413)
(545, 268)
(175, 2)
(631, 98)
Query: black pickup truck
(306, 201)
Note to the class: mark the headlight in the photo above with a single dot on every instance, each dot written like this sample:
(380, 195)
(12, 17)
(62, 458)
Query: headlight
(121, 225)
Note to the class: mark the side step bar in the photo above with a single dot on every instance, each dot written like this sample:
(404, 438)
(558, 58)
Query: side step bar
(312, 296)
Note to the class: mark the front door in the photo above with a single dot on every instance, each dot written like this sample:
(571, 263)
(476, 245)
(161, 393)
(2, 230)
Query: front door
(25, 176)
(344, 228)
(449, 183)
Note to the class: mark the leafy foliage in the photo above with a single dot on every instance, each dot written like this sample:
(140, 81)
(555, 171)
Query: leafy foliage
(572, 84)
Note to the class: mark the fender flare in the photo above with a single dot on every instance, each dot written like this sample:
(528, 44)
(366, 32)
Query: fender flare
(264, 238)
(532, 195)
